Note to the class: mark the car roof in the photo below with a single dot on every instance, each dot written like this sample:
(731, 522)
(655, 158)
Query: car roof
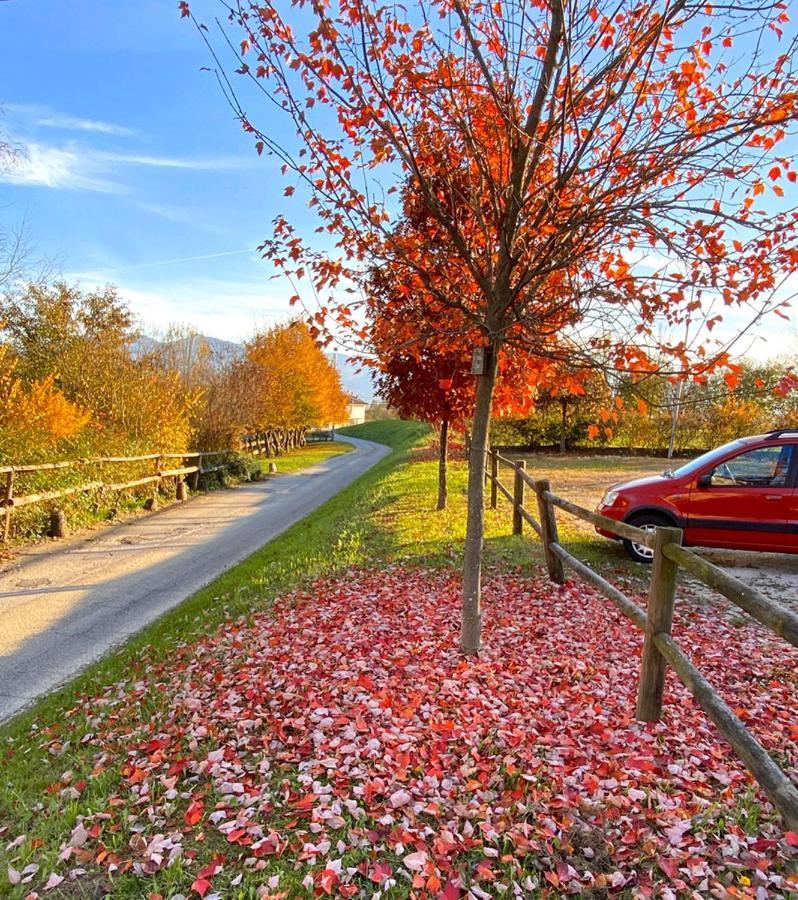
(789, 434)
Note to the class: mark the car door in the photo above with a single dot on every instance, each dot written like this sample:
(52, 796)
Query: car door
(745, 501)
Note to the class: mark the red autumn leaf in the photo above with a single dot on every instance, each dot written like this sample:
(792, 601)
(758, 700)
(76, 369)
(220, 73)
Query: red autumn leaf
(201, 886)
(380, 872)
(642, 765)
(731, 380)
(669, 866)
(211, 869)
(451, 891)
(327, 880)
(194, 812)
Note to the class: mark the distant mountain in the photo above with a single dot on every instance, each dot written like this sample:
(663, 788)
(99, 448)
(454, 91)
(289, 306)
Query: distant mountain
(187, 349)
(142, 346)
(184, 351)
(225, 351)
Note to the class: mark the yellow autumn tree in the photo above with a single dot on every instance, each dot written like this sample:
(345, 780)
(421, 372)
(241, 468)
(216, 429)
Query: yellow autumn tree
(35, 418)
(80, 342)
(297, 385)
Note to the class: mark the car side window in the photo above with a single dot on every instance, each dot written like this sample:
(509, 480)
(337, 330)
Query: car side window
(763, 467)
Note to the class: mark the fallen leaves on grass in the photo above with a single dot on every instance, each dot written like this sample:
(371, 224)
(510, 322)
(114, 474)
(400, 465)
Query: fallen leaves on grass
(345, 743)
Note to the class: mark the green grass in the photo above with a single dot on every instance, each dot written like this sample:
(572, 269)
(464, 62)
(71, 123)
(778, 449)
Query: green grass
(304, 457)
(386, 516)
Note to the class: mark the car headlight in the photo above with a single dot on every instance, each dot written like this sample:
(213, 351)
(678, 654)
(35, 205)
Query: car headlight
(609, 498)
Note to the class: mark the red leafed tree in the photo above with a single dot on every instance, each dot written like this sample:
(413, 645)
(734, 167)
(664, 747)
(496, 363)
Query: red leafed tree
(432, 387)
(598, 169)
(436, 386)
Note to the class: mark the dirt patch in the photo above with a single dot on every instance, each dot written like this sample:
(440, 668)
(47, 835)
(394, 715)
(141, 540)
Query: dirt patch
(774, 574)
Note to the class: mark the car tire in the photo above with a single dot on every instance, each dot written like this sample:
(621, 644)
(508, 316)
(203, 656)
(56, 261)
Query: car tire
(648, 522)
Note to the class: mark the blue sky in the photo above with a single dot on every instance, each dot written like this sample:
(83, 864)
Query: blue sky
(136, 172)
(134, 162)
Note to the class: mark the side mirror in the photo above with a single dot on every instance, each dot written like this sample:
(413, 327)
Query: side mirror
(704, 480)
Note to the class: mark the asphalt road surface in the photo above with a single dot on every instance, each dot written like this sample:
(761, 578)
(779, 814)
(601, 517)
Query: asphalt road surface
(64, 606)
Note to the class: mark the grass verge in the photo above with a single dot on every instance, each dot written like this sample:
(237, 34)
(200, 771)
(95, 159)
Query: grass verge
(305, 457)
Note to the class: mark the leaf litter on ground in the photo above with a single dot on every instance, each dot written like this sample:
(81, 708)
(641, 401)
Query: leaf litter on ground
(342, 740)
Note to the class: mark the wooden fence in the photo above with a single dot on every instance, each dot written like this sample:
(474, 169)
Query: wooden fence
(320, 434)
(273, 441)
(9, 501)
(659, 647)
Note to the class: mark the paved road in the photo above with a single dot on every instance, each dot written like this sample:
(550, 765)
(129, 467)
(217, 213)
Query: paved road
(62, 607)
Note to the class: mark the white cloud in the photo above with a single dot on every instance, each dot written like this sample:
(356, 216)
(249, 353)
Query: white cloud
(46, 117)
(176, 162)
(59, 168)
(228, 309)
(186, 259)
(180, 214)
(77, 167)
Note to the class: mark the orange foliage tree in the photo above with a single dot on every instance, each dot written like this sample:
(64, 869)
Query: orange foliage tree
(550, 147)
(294, 384)
(424, 375)
(34, 416)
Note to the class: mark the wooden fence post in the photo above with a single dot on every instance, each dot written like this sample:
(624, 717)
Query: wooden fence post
(8, 499)
(549, 534)
(518, 497)
(152, 502)
(58, 524)
(494, 477)
(195, 479)
(659, 618)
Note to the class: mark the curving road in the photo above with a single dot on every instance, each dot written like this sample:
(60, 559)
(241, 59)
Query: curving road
(63, 607)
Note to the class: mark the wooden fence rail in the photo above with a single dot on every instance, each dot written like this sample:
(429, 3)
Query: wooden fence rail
(660, 650)
(9, 500)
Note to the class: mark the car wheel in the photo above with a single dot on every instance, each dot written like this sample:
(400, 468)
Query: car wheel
(645, 522)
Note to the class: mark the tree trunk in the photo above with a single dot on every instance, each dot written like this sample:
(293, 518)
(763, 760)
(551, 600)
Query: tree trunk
(475, 527)
(442, 460)
(675, 410)
(563, 424)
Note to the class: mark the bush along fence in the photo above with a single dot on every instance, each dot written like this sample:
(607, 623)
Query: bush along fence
(193, 465)
(659, 648)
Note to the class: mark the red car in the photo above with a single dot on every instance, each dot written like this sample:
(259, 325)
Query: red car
(742, 495)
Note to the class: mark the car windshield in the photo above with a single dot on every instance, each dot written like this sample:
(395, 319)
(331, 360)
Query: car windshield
(700, 461)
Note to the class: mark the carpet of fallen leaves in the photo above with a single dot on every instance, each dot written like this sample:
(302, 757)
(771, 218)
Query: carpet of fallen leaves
(343, 740)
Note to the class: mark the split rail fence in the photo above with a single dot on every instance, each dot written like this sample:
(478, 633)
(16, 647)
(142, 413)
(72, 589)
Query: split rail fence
(659, 647)
(9, 501)
(273, 441)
